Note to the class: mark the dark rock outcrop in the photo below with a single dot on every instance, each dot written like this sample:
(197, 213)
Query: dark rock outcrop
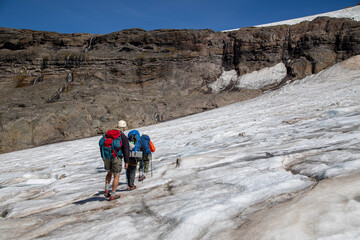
(57, 87)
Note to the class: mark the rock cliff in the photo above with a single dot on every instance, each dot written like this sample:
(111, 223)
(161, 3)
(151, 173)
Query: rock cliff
(57, 87)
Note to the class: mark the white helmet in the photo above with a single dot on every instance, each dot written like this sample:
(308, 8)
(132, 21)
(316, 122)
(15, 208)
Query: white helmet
(121, 124)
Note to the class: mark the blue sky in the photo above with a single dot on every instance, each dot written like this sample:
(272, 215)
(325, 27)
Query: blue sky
(105, 16)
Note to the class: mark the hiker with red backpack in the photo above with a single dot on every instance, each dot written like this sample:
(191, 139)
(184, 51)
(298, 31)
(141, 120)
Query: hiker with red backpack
(114, 146)
(147, 148)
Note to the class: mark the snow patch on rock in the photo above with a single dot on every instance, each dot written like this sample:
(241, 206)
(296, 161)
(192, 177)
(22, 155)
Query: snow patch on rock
(254, 80)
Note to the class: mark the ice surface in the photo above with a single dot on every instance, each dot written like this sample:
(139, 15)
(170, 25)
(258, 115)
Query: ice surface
(330, 211)
(213, 173)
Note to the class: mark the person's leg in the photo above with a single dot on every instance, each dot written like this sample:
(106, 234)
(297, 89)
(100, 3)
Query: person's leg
(128, 171)
(146, 165)
(115, 183)
(108, 177)
(132, 173)
(116, 169)
(146, 169)
(128, 176)
(141, 169)
(107, 166)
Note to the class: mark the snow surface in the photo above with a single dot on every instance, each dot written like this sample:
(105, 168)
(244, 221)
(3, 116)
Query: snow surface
(351, 12)
(230, 173)
(254, 80)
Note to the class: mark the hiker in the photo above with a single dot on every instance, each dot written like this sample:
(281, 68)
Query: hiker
(114, 146)
(135, 156)
(147, 147)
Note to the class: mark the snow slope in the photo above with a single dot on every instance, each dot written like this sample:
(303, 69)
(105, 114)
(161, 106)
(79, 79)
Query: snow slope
(351, 12)
(250, 170)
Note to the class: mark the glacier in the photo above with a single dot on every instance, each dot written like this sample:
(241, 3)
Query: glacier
(283, 165)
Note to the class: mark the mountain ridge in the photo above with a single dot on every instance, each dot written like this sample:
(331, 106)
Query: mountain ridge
(58, 87)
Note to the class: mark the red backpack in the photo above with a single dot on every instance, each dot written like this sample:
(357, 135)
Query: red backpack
(110, 144)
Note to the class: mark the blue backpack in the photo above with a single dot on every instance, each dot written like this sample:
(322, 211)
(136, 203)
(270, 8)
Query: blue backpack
(110, 144)
(145, 143)
(134, 136)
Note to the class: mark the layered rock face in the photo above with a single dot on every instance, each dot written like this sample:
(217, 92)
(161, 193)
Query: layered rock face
(57, 87)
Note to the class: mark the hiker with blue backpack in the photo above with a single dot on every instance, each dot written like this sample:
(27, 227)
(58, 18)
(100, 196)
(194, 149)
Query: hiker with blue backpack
(147, 148)
(135, 156)
(114, 146)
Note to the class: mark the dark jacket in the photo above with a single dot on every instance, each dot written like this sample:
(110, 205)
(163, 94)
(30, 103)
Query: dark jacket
(125, 147)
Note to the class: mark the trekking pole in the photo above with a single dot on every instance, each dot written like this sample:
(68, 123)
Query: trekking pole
(142, 177)
(151, 165)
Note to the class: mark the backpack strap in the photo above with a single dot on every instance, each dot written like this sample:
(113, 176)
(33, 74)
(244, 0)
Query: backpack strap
(115, 151)
(102, 147)
(113, 148)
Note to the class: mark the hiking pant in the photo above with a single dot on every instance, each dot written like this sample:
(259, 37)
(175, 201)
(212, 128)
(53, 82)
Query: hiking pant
(146, 160)
(131, 171)
(146, 166)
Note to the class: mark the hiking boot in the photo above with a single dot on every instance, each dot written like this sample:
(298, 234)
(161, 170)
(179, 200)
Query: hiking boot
(107, 193)
(141, 178)
(132, 188)
(113, 197)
